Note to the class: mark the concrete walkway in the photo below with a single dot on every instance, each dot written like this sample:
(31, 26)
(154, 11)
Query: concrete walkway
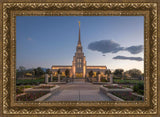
(79, 91)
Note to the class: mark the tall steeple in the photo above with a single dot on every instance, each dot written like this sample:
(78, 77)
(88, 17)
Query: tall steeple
(79, 61)
(79, 40)
(79, 46)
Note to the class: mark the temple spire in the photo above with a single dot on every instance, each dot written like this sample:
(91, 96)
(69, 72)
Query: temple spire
(79, 40)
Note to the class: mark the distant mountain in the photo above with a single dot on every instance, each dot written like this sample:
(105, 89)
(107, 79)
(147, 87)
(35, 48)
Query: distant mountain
(44, 69)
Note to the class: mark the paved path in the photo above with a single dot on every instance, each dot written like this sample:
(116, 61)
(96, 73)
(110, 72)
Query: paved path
(78, 91)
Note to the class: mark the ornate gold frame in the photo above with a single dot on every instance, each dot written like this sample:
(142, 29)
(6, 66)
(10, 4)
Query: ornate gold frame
(86, 8)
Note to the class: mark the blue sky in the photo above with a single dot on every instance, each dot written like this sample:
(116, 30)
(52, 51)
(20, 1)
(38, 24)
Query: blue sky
(51, 40)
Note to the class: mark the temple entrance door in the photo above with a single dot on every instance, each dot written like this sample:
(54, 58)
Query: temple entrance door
(79, 78)
(79, 75)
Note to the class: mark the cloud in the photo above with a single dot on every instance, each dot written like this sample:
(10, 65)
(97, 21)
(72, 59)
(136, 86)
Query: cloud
(128, 58)
(29, 39)
(103, 55)
(135, 49)
(109, 46)
(105, 46)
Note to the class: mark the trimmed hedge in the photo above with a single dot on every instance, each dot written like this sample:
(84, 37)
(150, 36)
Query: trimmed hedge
(119, 81)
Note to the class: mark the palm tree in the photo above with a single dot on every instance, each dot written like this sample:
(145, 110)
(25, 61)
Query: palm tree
(98, 72)
(59, 72)
(67, 72)
(90, 73)
(108, 72)
(49, 72)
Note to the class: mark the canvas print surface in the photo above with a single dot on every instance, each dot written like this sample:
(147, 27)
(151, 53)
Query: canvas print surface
(79, 58)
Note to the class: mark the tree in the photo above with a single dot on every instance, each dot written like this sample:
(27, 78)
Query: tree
(48, 71)
(98, 72)
(21, 71)
(59, 71)
(67, 72)
(33, 72)
(17, 73)
(39, 72)
(135, 73)
(118, 72)
(90, 73)
(108, 72)
(126, 74)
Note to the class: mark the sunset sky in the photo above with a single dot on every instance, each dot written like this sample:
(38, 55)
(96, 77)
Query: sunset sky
(114, 41)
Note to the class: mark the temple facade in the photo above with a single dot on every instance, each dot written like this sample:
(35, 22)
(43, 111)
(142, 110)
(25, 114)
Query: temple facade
(79, 68)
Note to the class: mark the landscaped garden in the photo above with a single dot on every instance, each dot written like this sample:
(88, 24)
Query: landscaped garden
(21, 95)
(30, 96)
(124, 92)
(127, 96)
(20, 89)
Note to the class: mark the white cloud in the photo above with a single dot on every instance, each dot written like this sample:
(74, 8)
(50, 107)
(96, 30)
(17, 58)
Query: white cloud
(109, 46)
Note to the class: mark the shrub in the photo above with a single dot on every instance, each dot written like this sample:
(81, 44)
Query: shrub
(128, 96)
(103, 80)
(19, 90)
(27, 86)
(30, 96)
(116, 77)
(139, 88)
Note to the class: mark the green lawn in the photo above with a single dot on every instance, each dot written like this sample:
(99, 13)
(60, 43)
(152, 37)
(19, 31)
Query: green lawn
(29, 81)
